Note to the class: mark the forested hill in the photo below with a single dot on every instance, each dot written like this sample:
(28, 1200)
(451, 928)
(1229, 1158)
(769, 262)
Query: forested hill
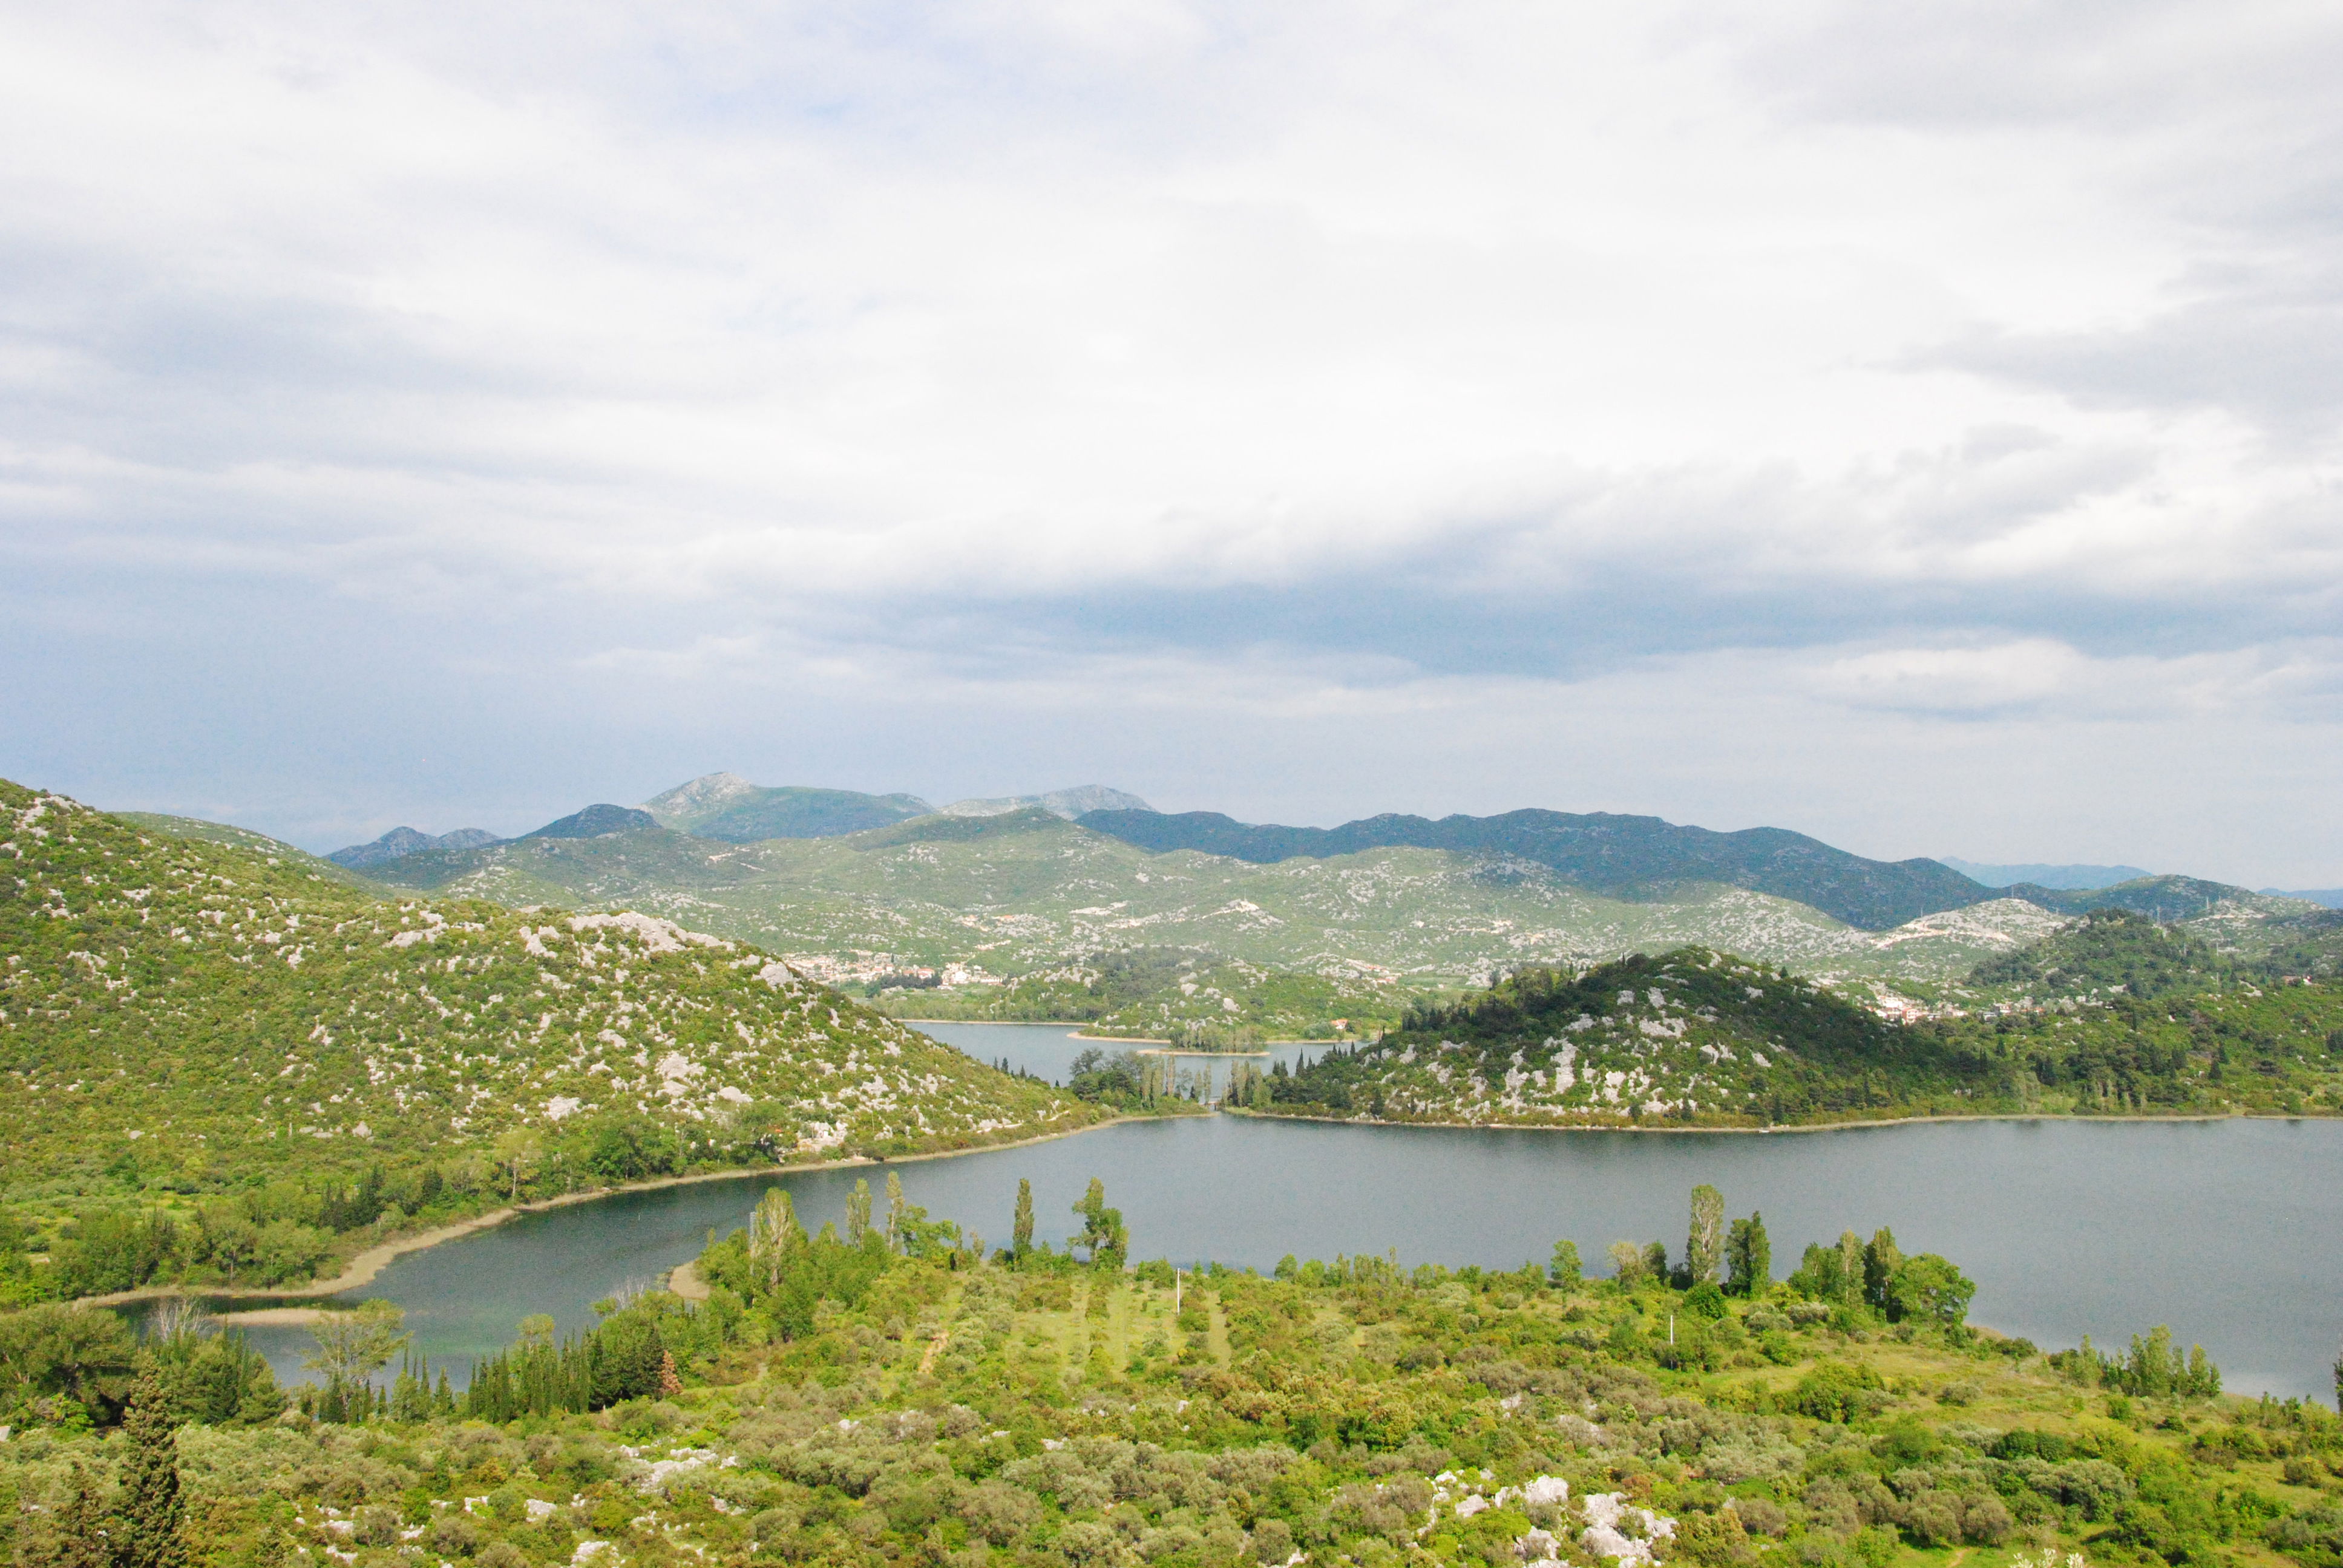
(1608, 853)
(1689, 1036)
(181, 1017)
(2109, 953)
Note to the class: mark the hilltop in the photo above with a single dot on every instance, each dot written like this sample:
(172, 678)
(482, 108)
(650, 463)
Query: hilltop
(727, 807)
(1691, 1036)
(1705, 1038)
(1621, 857)
(2110, 951)
(1026, 891)
(182, 1017)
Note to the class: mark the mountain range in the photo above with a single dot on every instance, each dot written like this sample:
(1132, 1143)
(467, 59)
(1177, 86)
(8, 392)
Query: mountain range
(2064, 877)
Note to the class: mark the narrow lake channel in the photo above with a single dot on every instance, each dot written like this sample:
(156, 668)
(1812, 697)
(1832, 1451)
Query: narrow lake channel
(2225, 1231)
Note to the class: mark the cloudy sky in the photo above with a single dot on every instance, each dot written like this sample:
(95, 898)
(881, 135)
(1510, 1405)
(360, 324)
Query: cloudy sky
(1916, 425)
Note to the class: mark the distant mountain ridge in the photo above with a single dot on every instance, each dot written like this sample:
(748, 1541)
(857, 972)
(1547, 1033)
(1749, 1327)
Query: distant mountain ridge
(2063, 878)
(1620, 856)
(594, 822)
(403, 841)
(2157, 897)
(1071, 804)
(729, 808)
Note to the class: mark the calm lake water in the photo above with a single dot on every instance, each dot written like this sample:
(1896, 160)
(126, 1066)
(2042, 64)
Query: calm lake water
(2225, 1231)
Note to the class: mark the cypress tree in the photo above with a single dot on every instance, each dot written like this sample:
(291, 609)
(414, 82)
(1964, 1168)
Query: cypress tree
(1021, 1238)
(152, 1508)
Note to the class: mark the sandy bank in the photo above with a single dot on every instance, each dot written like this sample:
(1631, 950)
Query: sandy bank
(362, 1269)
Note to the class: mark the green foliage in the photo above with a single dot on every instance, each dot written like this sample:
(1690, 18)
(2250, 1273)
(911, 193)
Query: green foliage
(1748, 1257)
(2109, 950)
(151, 1509)
(1690, 1036)
(221, 1064)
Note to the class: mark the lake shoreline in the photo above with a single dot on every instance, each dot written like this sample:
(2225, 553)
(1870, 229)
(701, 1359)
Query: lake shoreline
(1780, 1129)
(363, 1269)
(1074, 1031)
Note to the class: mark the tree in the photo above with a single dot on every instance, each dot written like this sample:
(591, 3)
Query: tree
(1748, 1257)
(773, 1233)
(1565, 1270)
(1102, 1229)
(1705, 1248)
(1881, 1259)
(895, 1206)
(354, 1346)
(152, 1509)
(2338, 1380)
(75, 1535)
(1626, 1263)
(519, 1151)
(1850, 1266)
(858, 1211)
(1932, 1290)
(1021, 1236)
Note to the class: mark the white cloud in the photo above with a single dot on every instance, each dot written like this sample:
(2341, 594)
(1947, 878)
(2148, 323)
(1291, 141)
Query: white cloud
(1953, 367)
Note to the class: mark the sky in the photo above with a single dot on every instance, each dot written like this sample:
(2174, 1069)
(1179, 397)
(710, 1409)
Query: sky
(1917, 426)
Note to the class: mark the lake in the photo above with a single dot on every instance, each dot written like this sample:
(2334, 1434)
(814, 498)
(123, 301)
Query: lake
(2226, 1229)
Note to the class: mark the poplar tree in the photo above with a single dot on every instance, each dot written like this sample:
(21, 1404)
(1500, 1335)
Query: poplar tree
(1021, 1238)
(858, 1211)
(1850, 1266)
(152, 1508)
(895, 1207)
(1881, 1259)
(1705, 1248)
(1748, 1257)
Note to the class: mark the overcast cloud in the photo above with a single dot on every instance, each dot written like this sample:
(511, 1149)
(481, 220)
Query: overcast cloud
(1917, 426)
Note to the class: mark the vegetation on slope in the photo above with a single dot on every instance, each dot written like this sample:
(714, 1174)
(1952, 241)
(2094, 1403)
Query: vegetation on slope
(726, 807)
(1689, 1036)
(218, 1066)
(895, 1396)
(1632, 857)
(2109, 951)
(1694, 1038)
(1026, 891)
(1197, 1001)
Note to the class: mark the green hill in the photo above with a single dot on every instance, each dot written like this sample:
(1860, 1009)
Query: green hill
(1623, 857)
(188, 1021)
(1697, 1037)
(2159, 899)
(2109, 951)
(1690, 1037)
(726, 807)
(1026, 891)
(1199, 1000)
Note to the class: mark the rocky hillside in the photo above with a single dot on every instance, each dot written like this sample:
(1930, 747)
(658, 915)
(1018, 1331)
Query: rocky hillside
(198, 1015)
(1691, 1036)
(1026, 891)
(1602, 852)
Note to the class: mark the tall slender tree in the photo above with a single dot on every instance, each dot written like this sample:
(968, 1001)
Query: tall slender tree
(858, 1211)
(1021, 1236)
(152, 1513)
(1881, 1259)
(1705, 1248)
(895, 1210)
(1850, 1266)
(1748, 1257)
